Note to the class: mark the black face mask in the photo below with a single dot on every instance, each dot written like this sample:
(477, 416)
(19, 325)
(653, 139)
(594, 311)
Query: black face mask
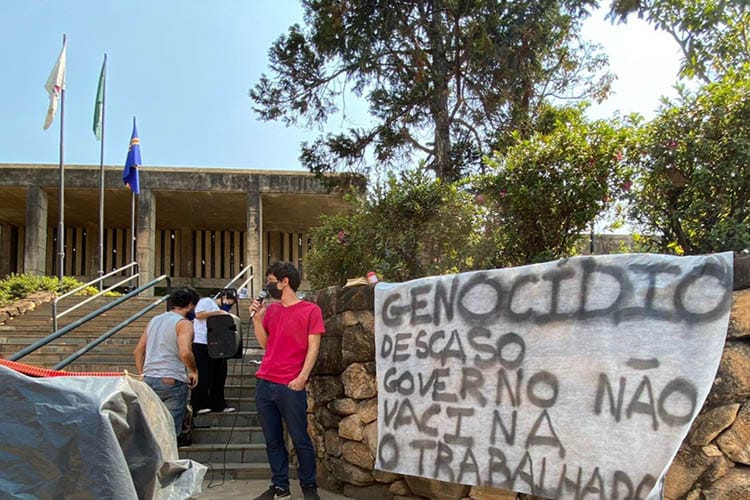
(190, 315)
(273, 290)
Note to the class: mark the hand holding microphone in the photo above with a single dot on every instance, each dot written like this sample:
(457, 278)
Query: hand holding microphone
(263, 295)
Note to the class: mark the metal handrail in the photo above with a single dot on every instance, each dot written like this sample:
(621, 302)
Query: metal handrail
(80, 352)
(243, 284)
(72, 308)
(59, 333)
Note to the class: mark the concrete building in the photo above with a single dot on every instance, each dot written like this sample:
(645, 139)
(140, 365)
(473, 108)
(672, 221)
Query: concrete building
(200, 226)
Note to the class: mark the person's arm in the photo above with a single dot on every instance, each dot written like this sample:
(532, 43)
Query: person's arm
(260, 333)
(206, 309)
(313, 348)
(185, 348)
(208, 314)
(140, 352)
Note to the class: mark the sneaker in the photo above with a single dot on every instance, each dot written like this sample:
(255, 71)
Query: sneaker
(274, 492)
(229, 409)
(310, 493)
(203, 411)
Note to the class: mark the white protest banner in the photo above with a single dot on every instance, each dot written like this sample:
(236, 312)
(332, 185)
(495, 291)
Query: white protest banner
(566, 379)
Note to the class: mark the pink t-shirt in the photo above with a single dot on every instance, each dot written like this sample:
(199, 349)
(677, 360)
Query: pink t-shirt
(288, 329)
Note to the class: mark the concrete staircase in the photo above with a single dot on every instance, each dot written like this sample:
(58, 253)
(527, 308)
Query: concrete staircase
(230, 444)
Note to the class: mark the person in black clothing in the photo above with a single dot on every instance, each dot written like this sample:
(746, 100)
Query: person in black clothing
(208, 395)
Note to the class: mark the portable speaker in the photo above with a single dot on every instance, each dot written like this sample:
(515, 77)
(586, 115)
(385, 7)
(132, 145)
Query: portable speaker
(224, 336)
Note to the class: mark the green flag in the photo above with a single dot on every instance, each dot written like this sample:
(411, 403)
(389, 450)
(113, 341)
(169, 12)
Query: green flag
(99, 104)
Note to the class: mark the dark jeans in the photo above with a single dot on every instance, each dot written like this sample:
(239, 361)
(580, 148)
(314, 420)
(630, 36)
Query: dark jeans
(174, 396)
(275, 402)
(212, 375)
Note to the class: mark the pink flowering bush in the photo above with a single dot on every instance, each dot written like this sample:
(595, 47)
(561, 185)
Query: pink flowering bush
(412, 226)
(544, 191)
(692, 195)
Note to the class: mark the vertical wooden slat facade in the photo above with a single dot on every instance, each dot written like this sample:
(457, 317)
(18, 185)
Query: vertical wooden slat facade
(21, 245)
(117, 251)
(217, 254)
(216, 251)
(167, 252)
(292, 247)
(17, 243)
(74, 246)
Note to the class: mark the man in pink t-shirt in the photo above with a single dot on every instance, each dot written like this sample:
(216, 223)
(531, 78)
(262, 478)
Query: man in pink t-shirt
(290, 331)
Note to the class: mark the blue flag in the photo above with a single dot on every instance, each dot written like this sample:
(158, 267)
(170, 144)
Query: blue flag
(130, 173)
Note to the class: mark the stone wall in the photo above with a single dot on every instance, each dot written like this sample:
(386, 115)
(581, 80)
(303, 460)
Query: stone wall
(24, 305)
(713, 462)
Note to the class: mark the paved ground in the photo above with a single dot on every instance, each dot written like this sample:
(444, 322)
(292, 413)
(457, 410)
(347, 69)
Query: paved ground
(251, 488)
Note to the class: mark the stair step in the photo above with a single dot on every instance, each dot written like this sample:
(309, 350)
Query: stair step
(229, 470)
(74, 337)
(225, 452)
(125, 350)
(221, 435)
(245, 380)
(244, 403)
(239, 390)
(7, 349)
(93, 357)
(242, 418)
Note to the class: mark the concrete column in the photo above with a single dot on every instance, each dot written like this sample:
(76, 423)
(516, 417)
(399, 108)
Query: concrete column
(145, 246)
(254, 240)
(5, 249)
(35, 253)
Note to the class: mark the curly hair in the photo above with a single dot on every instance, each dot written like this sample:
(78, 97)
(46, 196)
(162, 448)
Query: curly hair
(281, 270)
(183, 297)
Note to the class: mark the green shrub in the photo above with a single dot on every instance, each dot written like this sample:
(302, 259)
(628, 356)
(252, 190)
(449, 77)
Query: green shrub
(18, 286)
(693, 190)
(410, 227)
(544, 191)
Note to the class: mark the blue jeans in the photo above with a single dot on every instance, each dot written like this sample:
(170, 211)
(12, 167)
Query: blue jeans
(174, 396)
(275, 402)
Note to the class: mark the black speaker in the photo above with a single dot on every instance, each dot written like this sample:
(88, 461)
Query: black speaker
(224, 336)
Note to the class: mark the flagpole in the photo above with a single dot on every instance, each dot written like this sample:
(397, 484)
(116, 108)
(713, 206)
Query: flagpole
(61, 221)
(130, 178)
(132, 231)
(101, 177)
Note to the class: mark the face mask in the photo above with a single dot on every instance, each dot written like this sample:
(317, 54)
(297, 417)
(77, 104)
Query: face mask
(190, 315)
(273, 290)
(226, 307)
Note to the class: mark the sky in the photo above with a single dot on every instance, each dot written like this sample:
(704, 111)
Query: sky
(184, 69)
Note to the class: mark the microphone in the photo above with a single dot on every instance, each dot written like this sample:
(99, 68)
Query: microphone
(263, 295)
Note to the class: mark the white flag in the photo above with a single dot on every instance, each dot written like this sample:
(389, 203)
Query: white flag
(55, 85)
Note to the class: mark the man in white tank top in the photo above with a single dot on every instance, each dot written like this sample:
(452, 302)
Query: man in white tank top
(164, 354)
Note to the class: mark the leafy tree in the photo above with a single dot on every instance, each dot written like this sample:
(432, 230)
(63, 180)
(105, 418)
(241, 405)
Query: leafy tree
(693, 191)
(714, 35)
(411, 227)
(441, 76)
(544, 191)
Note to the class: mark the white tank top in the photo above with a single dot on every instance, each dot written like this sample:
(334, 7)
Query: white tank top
(162, 351)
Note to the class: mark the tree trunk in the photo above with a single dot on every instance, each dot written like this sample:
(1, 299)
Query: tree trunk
(442, 164)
